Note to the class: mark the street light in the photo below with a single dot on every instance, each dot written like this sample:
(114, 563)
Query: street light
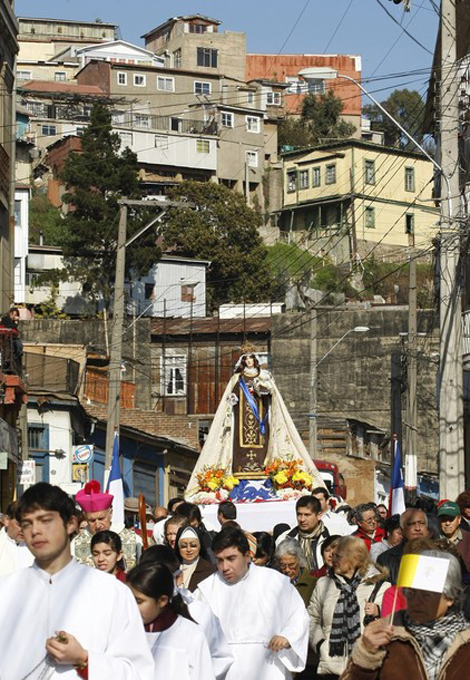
(313, 390)
(330, 74)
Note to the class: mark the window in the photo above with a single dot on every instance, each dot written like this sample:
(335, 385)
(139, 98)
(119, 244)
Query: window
(173, 375)
(24, 75)
(303, 179)
(202, 87)
(48, 130)
(118, 117)
(187, 292)
(252, 124)
(226, 119)
(127, 138)
(273, 99)
(17, 213)
(142, 120)
(409, 223)
(121, 78)
(197, 28)
(207, 57)
(161, 141)
(176, 124)
(297, 86)
(79, 130)
(60, 76)
(37, 437)
(167, 84)
(250, 97)
(330, 177)
(251, 159)
(369, 171)
(177, 58)
(316, 177)
(409, 179)
(291, 181)
(140, 80)
(149, 291)
(370, 218)
(203, 146)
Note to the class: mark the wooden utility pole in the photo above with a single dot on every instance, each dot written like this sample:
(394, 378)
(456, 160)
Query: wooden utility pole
(451, 424)
(313, 426)
(395, 398)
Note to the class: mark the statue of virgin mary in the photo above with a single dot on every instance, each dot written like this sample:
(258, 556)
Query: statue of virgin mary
(251, 427)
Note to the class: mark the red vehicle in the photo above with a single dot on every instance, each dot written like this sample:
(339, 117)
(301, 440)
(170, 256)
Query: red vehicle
(332, 477)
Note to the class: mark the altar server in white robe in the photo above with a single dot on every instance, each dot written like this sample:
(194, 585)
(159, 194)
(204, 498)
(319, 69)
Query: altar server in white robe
(200, 611)
(178, 645)
(62, 620)
(14, 553)
(262, 615)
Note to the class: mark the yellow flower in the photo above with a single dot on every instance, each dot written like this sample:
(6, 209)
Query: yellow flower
(302, 477)
(230, 482)
(281, 478)
(213, 484)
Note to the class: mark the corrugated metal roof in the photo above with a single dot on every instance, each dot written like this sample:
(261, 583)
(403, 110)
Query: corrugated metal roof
(209, 325)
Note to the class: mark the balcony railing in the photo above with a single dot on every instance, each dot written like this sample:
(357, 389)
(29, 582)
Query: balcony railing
(11, 352)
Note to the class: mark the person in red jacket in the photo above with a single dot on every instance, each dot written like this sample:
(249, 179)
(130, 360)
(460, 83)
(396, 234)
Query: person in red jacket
(367, 519)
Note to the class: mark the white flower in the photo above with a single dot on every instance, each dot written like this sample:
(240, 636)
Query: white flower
(232, 399)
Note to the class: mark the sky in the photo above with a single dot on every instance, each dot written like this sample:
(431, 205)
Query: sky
(281, 26)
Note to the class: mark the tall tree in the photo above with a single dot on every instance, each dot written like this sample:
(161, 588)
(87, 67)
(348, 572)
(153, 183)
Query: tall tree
(219, 227)
(407, 107)
(95, 179)
(320, 121)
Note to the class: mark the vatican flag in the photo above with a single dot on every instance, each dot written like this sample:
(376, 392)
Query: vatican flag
(423, 572)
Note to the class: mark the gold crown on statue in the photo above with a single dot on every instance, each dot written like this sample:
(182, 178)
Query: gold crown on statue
(248, 348)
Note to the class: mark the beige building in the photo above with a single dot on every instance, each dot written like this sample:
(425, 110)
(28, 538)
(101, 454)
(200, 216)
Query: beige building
(41, 39)
(193, 42)
(355, 196)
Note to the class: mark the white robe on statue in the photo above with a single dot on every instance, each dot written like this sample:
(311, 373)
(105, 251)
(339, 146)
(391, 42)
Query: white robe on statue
(263, 604)
(181, 652)
(89, 604)
(219, 650)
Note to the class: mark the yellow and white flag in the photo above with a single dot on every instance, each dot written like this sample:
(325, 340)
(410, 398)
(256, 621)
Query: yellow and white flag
(423, 572)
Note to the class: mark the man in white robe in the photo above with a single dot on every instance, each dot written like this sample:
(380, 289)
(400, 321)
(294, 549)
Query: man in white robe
(60, 619)
(262, 615)
(14, 554)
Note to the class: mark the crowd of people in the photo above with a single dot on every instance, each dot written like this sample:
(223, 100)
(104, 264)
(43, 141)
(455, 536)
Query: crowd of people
(81, 598)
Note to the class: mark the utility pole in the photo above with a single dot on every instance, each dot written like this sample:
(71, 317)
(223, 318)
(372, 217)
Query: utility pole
(396, 387)
(451, 425)
(115, 355)
(313, 385)
(411, 453)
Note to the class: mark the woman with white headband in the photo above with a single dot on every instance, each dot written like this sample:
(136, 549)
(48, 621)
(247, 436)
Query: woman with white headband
(192, 555)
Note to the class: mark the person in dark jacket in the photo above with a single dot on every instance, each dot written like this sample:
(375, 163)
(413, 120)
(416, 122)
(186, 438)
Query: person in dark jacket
(193, 557)
(290, 560)
(414, 524)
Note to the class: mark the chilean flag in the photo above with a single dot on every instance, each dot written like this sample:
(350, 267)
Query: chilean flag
(396, 503)
(115, 485)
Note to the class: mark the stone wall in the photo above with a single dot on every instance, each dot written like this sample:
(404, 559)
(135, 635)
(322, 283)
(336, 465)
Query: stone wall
(353, 381)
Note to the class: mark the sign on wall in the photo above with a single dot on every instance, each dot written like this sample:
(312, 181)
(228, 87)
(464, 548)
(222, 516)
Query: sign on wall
(26, 472)
(82, 453)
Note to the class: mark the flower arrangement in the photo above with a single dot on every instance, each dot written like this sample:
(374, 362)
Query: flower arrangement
(215, 479)
(288, 474)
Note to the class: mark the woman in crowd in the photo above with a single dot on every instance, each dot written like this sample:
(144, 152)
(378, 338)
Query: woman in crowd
(290, 560)
(192, 555)
(172, 525)
(343, 603)
(106, 552)
(178, 645)
(393, 536)
(430, 635)
(264, 549)
(327, 550)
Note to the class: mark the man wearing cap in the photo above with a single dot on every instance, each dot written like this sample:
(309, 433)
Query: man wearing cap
(449, 517)
(97, 506)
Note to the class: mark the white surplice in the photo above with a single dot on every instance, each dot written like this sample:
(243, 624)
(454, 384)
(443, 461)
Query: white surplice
(13, 555)
(87, 603)
(181, 652)
(263, 604)
(203, 615)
